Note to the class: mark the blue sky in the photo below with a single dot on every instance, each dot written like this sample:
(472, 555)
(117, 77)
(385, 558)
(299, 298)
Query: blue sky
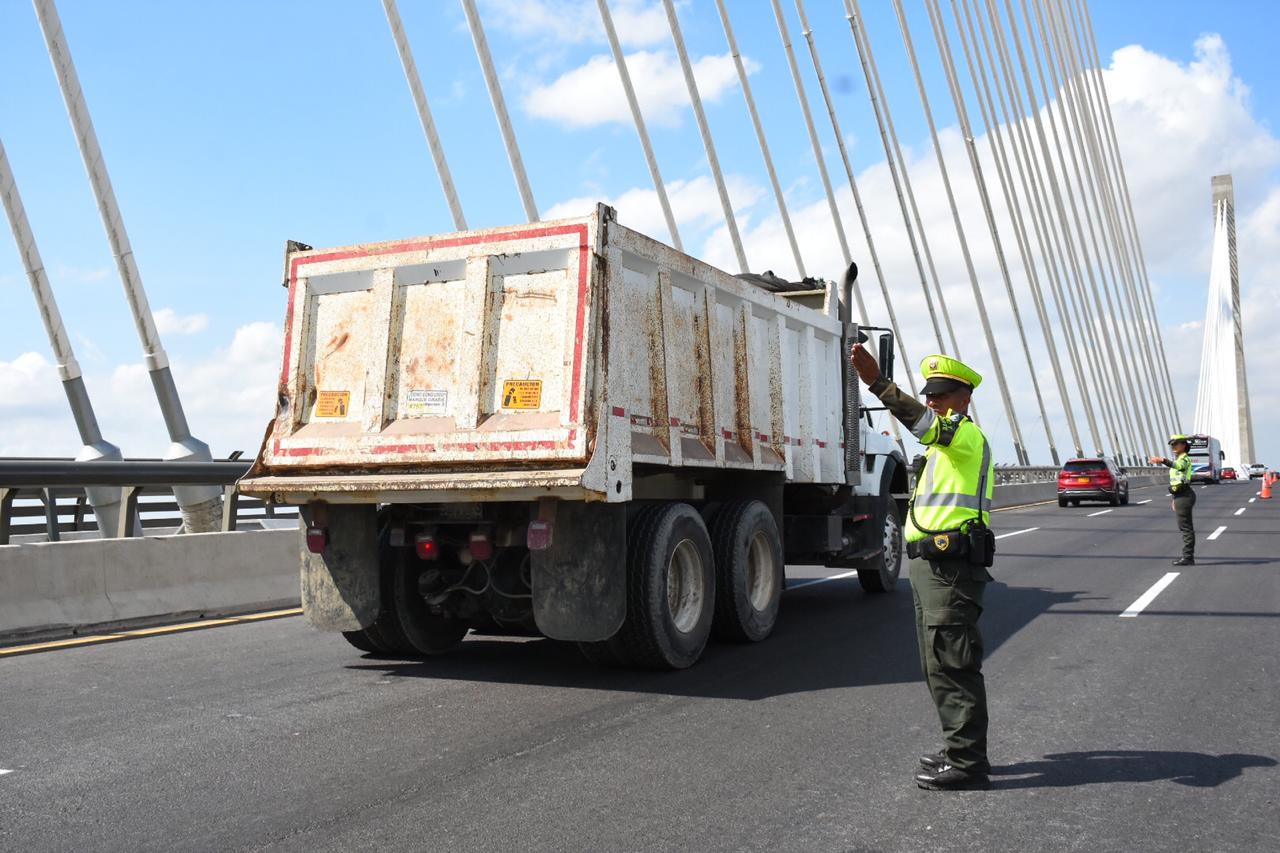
(230, 127)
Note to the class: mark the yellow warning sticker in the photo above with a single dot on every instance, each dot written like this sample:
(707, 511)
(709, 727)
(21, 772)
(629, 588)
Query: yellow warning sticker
(521, 393)
(333, 404)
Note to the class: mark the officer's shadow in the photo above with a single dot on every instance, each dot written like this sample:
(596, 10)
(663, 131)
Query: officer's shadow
(1068, 769)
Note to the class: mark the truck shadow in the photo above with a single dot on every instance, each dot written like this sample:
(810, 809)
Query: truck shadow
(829, 636)
(1069, 769)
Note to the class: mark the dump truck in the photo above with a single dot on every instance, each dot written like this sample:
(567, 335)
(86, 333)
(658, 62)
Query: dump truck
(571, 429)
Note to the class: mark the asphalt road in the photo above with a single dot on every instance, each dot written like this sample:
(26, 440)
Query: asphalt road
(1159, 731)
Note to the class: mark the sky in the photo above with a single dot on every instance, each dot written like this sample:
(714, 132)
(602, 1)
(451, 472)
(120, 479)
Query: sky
(229, 128)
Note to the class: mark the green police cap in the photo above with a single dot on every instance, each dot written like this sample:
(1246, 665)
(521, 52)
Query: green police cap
(1174, 439)
(943, 374)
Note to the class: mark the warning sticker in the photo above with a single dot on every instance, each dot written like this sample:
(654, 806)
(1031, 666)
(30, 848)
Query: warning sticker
(430, 401)
(333, 404)
(521, 393)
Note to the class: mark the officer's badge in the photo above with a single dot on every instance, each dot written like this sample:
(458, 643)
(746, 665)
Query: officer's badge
(933, 364)
(942, 543)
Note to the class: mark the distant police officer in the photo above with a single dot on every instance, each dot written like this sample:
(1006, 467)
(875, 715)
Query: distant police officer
(1184, 497)
(950, 548)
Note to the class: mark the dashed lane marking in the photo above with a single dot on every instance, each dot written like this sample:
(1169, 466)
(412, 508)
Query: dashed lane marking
(840, 576)
(1149, 596)
(1215, 534)
(1251, 500)
(1241, 510)
(1147, 501)
(3, 771)
(138, 633)
(1099, 512)
(1016, 532)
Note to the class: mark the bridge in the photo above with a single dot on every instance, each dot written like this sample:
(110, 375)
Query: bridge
(163, 690)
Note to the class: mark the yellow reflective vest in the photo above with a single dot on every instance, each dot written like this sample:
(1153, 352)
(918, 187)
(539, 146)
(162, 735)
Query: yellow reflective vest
(1180, 470)
(946, 494)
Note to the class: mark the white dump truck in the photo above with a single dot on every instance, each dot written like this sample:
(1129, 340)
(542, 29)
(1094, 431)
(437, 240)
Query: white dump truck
(572, 429)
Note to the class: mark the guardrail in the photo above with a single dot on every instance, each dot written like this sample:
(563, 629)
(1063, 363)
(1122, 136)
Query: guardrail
(55, 499)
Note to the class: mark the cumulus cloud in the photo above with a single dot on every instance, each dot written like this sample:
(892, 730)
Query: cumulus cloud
(592, 95)
(170, 322)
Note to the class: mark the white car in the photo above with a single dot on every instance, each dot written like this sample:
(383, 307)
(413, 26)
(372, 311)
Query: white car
(1256, 470)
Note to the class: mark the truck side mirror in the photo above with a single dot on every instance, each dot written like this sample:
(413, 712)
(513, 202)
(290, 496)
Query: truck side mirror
(886, 355)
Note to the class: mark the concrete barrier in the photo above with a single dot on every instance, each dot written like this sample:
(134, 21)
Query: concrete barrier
(51, 589)
(1019, 494)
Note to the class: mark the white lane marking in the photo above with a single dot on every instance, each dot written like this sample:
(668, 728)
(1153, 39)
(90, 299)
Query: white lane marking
(822, 580)
(1147, 501)
(1149, 596)
(1215, 534)
(3, 771)
(1240, 511)
(1017, 532)
(1099, 512)
(1251, 500)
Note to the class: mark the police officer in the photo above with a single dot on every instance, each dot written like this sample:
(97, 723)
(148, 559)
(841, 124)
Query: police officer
(950, 549)
(1184, 497)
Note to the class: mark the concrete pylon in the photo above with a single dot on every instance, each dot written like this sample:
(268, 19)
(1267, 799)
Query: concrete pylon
(1222, 401)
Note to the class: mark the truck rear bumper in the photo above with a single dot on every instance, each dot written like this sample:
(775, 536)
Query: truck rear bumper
(450, 487)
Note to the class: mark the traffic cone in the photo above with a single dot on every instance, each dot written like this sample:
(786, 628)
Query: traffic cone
(1265, 494)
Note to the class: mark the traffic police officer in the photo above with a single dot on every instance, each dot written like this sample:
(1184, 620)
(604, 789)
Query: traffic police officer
(951, 548)
(1184, 497)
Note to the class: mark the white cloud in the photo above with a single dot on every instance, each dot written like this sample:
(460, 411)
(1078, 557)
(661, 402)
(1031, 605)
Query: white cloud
(637, 22)
(170, 322)
(591, 94)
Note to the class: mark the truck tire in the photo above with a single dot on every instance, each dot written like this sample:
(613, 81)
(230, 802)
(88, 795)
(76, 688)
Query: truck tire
(671, 589)
(424, 632)
(361, 641)
(880, 573)
(749, 571)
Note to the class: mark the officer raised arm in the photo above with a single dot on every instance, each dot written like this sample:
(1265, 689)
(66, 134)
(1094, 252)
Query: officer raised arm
(951, 548)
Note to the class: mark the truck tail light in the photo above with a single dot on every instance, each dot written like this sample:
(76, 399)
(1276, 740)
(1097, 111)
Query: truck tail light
(539, 536)
(481, 546)
(317, 539)
(426, 546)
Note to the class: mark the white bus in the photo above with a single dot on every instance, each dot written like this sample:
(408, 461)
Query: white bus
(1206, 457)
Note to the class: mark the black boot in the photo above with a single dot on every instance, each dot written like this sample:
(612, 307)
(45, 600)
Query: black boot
(948, 778)
(933, 760)
(1185, 561)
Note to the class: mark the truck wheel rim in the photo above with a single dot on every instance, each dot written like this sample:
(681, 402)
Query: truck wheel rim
(761, 577)
(892, 548)
(685, 592)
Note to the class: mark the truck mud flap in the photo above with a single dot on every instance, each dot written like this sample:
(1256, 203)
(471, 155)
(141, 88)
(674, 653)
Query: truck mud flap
(340, 587)
(580, 582)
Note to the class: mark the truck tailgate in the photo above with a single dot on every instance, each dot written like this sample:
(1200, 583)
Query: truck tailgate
(456, 349)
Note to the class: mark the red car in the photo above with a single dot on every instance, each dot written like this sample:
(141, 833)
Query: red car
(1100, 479)
(1229, 473)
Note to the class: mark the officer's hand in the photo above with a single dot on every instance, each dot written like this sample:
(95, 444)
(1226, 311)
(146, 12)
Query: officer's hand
(1156, 460)
(865, 364)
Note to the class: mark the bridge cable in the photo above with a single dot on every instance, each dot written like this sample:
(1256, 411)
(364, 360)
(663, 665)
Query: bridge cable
(424, 113)
(620, 62)
(707, 142)
(500, 108)
(979, 301)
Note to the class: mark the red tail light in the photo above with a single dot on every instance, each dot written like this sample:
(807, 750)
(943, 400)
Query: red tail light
(317, 539)
(426, 546)
(481, 546)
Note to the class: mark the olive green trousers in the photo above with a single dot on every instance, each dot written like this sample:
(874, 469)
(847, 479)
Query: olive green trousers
(948, 601)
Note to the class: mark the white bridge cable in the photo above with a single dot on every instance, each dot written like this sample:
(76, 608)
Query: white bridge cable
(855, 27)
(1130, 359)
(705, 130)
(962, 114)
(995, 140)
(979, 301)
(424, 113)
(1122, 189)
(500, 109)
(1080, 93)
(620, 62)
(857, 201)
(760, 138)
(815, 144)
(1033, 183)
(1122, 440)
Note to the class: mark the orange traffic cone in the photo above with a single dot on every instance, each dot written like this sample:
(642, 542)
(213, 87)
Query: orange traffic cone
(1265, 494)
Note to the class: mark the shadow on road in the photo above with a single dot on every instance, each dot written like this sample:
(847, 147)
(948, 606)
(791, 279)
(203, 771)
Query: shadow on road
(1068, 769)
(828, 637)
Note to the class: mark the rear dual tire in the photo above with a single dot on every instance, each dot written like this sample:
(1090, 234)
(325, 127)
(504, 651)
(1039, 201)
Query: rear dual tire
(405, 626)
